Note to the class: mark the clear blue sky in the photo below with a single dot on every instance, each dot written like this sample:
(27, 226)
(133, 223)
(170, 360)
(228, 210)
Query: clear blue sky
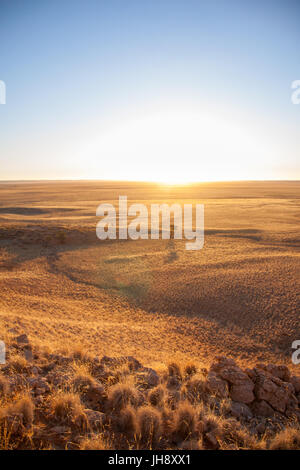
(132, 89)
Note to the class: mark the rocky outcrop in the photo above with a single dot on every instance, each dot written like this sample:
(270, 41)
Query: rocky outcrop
(267, 388)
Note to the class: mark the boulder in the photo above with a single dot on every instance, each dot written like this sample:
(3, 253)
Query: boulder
(262, 408)
(242, 393)
(240, 410)
(280, 371)
(96, 395)
(295, 381)
(273, 390)
(241, 386)
(95, 419)
(215, 385)
(148, 377)
(22, 339)
(221, 362)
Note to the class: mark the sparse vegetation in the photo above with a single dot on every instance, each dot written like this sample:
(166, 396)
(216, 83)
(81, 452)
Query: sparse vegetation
(109, 345)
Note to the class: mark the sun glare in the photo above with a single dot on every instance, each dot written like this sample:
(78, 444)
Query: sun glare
(177, 148)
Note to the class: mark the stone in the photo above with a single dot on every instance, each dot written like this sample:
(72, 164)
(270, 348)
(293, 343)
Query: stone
(148, 378)
(211, 440)
(240, 410)
(221, 362)
(95, 419)
(295, 381)
(39, 385)
(260, 428)
(59, 429)
(280, 371)
(96, 395)
(216, 385)
(22, 339)
(262, 408)
(28, 355)
(243, 393)
(273, 390)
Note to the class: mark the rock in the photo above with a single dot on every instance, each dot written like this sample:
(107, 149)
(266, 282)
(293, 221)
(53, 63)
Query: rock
(234, 375)
(22, 339)
(242, 393)
(221, 362)
(57, 379)
(240, 410)
(242, 386)
(36, 370)
(295, 381)
(149, 378)
(280, 371)
(262, 408)
(211, 440)
(96, 419)
(59, 429)
(216, 385)
(96, 395)
(273, 390)
(28, 355)
(132, 362)
(39, 385)
(260, 428)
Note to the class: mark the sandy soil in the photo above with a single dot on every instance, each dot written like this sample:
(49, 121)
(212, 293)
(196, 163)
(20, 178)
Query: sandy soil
(237, 296)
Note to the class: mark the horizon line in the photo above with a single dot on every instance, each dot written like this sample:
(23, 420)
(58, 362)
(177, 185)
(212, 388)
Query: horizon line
(165, 183)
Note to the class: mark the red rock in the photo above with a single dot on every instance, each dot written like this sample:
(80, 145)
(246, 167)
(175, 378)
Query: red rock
(262, 408)
(211, 440)
(280, 371)
(216, 385)
(221, 362)
(240, 410)
(273, 390)
(242, 393)
(22, 339)
(295, 381)
(96, 419)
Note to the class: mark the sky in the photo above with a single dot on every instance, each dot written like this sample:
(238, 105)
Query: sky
(172, 91)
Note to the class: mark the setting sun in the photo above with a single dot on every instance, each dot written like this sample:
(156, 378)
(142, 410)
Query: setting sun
(178, 147)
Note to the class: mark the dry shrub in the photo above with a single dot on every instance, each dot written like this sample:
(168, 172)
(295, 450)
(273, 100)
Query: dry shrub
(95, 442)
(18, 364)
(149, 426)
(174, 370)
(81, 355)
(82, 382)
(184, 422)
(189, 370)
(156, 396)
(193, 444)
(127, 422)
(211, 423)
(288, 439)
(15, 419)
(121, 395)
(23, 406)
(68, 409)
(233, 436)
(4, 385)
(195, 390)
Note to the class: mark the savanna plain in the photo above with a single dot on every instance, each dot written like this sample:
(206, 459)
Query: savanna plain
(123, 344)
